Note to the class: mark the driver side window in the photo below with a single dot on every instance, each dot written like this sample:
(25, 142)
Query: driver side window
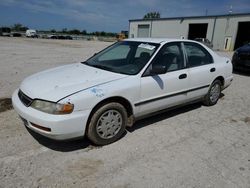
(171, 56)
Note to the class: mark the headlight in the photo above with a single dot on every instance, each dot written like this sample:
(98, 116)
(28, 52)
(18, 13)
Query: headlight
(51, 107)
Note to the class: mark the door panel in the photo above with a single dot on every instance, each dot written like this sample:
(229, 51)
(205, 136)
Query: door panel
(165, 90)
(199, 81)
(162, 91)
(201, 70)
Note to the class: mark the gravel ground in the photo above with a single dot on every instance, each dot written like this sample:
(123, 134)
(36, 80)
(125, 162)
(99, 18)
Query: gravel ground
(193, 146)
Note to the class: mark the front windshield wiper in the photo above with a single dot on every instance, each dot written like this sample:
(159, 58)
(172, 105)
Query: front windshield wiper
(98, 66)
(85, 63)
(103, 67)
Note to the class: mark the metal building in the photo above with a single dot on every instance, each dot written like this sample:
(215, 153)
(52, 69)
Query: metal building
(226, 32)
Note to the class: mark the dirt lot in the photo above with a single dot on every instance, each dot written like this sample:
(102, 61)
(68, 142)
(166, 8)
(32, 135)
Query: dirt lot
(194, 146)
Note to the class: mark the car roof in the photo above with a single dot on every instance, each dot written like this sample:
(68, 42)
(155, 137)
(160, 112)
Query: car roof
(157, 40)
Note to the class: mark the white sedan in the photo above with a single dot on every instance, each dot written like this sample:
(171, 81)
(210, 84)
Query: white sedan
(126, 81)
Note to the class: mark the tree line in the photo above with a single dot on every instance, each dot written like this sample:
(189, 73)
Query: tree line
(152, 15)
(21, 28)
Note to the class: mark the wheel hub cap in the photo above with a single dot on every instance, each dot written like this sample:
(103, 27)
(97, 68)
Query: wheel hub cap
(215, 93)
(109, 124)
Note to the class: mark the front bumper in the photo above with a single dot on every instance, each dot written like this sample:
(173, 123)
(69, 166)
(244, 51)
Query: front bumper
(58, 127)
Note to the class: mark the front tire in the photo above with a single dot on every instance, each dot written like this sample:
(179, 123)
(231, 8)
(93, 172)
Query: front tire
(213, 94)
(107, 124)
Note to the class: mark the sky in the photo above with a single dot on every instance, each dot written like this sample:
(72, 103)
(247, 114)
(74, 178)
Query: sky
(105, 15)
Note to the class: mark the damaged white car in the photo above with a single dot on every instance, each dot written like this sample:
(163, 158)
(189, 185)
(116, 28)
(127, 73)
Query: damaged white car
(126, 81)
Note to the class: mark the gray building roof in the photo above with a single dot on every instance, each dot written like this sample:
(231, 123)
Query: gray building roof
(193, 17)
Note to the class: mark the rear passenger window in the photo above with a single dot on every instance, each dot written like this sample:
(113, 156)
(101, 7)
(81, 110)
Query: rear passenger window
(197, 55)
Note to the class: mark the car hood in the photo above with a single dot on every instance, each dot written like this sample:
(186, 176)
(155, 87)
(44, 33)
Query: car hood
(55, 84)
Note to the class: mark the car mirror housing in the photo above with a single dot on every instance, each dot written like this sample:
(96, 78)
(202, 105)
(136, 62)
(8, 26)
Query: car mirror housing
(158, 69)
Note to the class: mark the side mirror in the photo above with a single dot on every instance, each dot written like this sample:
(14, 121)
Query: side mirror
(158, 69)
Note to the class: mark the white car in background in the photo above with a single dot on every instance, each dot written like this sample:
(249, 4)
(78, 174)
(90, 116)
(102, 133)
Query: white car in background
(31, 33)
(98, 98)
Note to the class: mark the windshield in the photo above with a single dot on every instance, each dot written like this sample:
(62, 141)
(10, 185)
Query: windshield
(124, 57)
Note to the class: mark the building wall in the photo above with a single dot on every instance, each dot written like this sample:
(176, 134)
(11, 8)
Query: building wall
(227, 27)
(162, 28)
(218, 28)
(133, 28)
(170, 28)
(178, 28)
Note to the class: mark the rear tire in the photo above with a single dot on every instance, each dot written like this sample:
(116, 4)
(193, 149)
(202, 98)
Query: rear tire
(107, 124)
(213, 94)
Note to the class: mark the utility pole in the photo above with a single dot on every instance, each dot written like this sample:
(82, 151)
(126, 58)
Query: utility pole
(230, 10)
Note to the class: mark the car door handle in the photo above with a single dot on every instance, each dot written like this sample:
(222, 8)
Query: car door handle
(212, 69)
(183, 76)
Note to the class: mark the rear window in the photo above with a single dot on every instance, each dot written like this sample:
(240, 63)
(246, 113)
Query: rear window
(197, 55)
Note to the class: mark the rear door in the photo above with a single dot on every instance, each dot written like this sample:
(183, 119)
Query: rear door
(201, 69)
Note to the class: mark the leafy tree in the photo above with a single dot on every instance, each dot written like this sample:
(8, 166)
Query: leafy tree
(103, 33)
(97, 33)
(53, 31)
(19, 27)
(111, 34)
(74, 32)
(152, 15)
(64, 30)
(84, 32)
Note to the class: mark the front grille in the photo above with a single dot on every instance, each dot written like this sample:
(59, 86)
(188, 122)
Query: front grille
(24, 98)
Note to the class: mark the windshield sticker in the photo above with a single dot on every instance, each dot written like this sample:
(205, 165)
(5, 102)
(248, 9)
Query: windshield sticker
(146, 46)
(97, 92)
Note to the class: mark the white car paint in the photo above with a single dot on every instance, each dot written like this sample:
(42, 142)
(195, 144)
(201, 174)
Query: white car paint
(86, 86)
(65, 80)
(30, 33)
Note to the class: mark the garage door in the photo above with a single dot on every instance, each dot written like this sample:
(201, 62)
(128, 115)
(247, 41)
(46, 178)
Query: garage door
(143, 31)
(197, 31)
(243, 34)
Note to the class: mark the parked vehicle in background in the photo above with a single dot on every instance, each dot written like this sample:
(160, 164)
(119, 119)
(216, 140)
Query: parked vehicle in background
(241, 58)
(120, 36)
(68, 37)
(52, 37)
(61, 37)
(204, 41)
(5, 31)
(128, 80)
(31, 33)
(16, 34)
